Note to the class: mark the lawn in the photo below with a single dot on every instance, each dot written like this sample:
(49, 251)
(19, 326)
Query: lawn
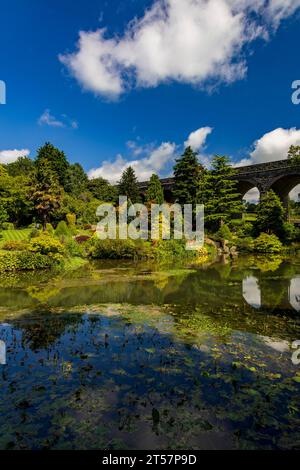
(15, 235)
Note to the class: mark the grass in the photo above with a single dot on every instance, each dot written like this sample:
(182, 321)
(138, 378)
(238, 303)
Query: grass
(249, 217)
(14, 235)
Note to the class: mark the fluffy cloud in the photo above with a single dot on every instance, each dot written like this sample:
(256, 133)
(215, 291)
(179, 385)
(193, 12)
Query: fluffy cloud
(10, 156)
(189, 41)
(49, 120)
(197, 139)
(155, 160)
(272, 146)
(144, 168)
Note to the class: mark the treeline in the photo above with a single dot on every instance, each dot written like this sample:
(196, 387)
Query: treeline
(48, 188)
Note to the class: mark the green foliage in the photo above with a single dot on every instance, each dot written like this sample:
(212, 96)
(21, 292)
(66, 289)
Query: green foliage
(22, 166)
(74, 249)
(102, 190)
(50, 229)
(294, 154)
(24, 261)
(46, 193)
(3, 216)
(187, 173)
(155, 192)
(55, 160)
(218, 192)
(76, 180)
(47, 245)
(35, 232)
(120, 249)
(267, 243)
(245, 244)
(224, 233)
(71, 220)
(15, 245)
(241, 228)
(128, 186)
(62, 230)
(270, 215)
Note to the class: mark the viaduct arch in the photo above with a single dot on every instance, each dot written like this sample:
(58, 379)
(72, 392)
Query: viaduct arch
(281, 176)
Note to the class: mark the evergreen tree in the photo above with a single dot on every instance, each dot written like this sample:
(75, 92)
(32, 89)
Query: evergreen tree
(24, 166)
(46, 193)
(155, 192)
(102, 190)
(218, 192)
(270, 215)
(128, 186)
(187, 173)
(57, 162)
(76, 180)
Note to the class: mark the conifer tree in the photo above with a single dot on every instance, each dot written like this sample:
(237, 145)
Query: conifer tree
(128, 186)
(270, 215)
(218, 192)
(187, 173)
(155, 192)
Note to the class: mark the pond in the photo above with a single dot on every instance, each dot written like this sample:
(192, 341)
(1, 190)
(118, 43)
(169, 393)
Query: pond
(119, 355)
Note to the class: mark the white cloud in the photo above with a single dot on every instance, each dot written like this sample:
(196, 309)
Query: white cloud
(152, 159)
(49, 120)
(144, 168)
(188, 41)
(272, 146)
(197, 139)
(10, 156)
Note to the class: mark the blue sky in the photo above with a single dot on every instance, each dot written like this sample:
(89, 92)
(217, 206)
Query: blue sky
(209, 68)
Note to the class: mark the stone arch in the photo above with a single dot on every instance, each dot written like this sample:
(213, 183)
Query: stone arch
(283, 185)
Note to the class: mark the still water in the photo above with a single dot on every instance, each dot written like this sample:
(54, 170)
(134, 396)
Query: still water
(134, 356)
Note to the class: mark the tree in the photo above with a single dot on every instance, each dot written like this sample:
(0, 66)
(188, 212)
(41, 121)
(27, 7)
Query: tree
(3, 215)
(270, 215)
(56, 159)
(21, 167)
(128, 186)
(187, 173)
(102, 190)
(76, 180)
(294, 154)
(46, 193)
(155, 192)
(218, 192)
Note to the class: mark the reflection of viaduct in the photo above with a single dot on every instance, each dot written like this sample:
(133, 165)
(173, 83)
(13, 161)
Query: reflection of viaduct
(281, 176)
(260, 295)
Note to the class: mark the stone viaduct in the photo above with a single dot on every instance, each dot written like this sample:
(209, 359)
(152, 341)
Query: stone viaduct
(281, 176)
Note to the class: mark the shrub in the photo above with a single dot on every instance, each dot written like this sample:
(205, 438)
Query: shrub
(47, 245)
(224, 233)
(62, 229)
(34, 233)
(266, 243)
(241, 228)
(290, 233)
(245, 244)
(24, 261)
(71, 220)
(8, 226)
(119, 249)
(50, 229)
(73, 248)
(14, 245)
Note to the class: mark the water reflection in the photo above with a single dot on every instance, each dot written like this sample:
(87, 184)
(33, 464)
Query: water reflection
(138, 356)
(251, 291)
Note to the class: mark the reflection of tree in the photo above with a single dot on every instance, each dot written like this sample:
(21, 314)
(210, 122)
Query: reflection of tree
(42, 329)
